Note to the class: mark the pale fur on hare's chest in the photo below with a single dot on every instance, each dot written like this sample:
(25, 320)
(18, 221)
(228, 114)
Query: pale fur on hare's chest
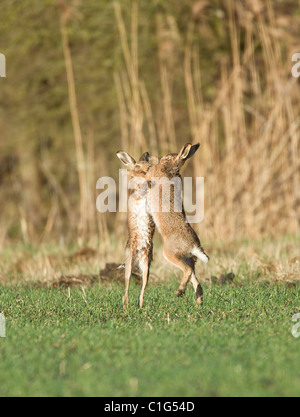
(141, 222)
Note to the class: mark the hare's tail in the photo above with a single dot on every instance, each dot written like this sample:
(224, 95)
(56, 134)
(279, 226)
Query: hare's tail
(200, 254)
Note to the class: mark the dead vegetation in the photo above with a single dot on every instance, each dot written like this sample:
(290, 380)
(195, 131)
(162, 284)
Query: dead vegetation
(231, 264)
(249, 132)
(222, 77)
(246, 116)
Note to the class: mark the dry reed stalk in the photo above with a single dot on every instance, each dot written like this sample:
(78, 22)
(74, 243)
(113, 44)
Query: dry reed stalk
(91, 191)
(50, 220)
(3, 235)
(24, 226)
(131, 86)
(58, 189)
(190, 90)
(165, 40)
(81, 165)
(274, 139)
(149, 119)
(136, 114)
(123, 112)
(250, 148)
(135, 109)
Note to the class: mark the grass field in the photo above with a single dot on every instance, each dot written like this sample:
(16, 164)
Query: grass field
(132, 75)
(79, 341)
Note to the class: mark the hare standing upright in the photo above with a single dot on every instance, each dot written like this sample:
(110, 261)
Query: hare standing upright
(141, 228)
(182, 246)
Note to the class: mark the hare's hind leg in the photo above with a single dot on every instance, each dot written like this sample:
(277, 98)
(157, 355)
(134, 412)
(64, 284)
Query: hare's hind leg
(186, 269)
(144, 265)
(198, 289)
(196, 284)
(145, 276)
(128, 272)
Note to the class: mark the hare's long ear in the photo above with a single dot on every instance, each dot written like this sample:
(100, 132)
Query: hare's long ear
(187, 151)
(126, 159)
(145, 157)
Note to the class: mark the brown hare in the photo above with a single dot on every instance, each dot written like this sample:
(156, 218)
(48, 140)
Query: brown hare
(182, 246)
(141, 228)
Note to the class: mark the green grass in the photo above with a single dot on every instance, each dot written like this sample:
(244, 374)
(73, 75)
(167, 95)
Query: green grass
(238, 344)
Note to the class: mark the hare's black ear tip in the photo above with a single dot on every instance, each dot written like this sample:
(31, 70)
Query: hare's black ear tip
(145, 157)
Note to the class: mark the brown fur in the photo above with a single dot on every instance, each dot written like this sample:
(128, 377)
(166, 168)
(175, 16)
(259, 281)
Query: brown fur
(141, 227)
(179, 238)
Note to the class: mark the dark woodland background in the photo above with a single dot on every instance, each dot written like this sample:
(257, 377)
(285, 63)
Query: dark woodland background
(87, 78)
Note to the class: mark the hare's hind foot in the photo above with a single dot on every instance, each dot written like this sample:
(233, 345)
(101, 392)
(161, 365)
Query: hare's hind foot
(180, 292)
(125, 301)
(199, 295)
(198, 290)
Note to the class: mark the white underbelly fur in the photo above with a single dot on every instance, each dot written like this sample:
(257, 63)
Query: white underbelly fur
(142, 221)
